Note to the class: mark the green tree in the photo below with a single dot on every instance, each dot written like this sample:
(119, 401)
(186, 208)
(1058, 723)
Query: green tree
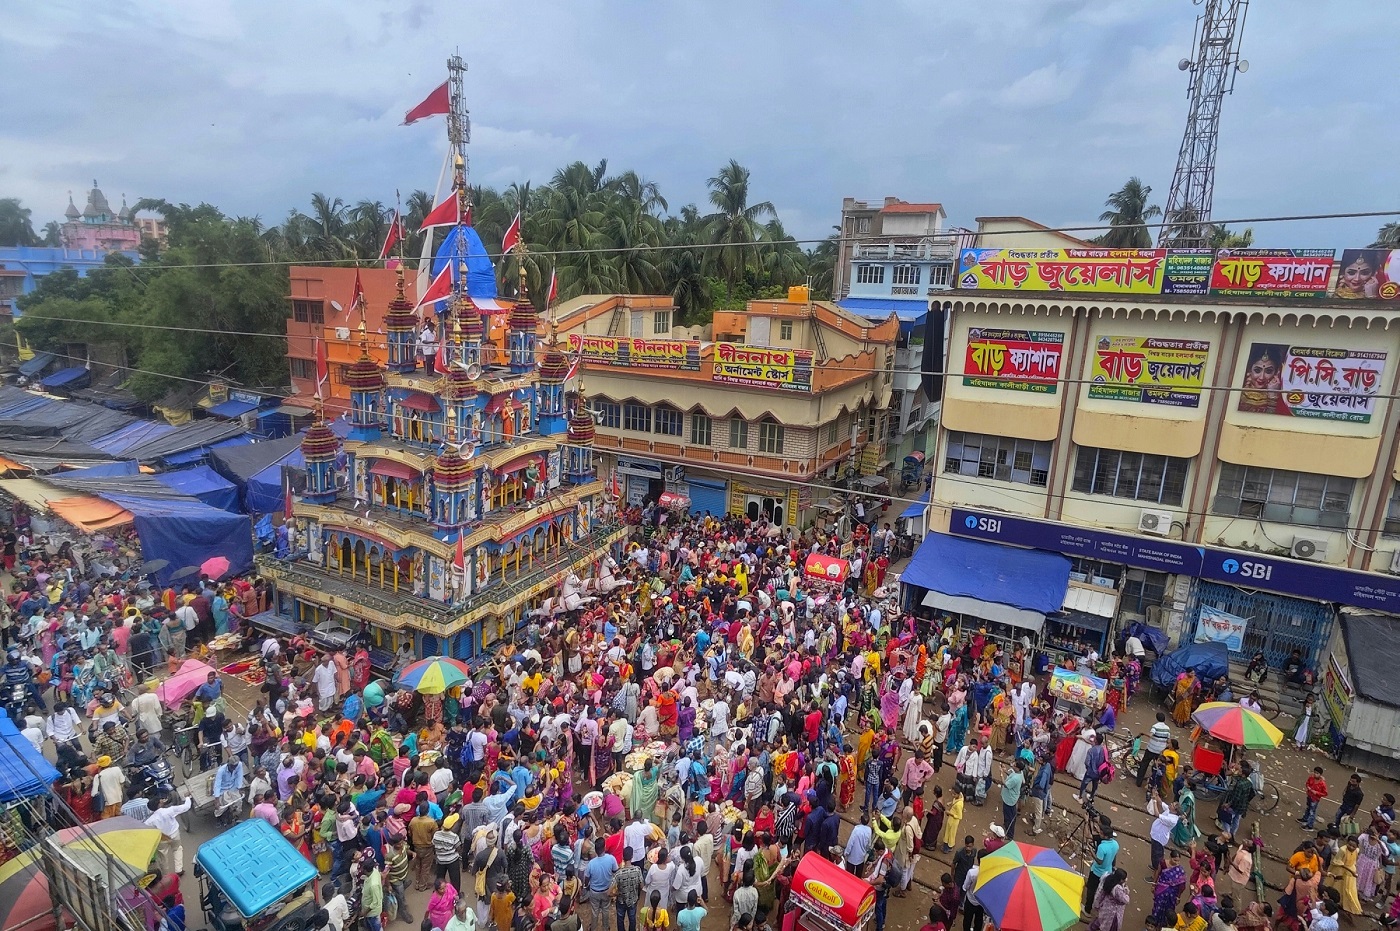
(1222, 238)
(784, 262)
(735, 224)
(1127, 216)
(16, 227)
(53, 234)
(1387, 237)
(821, 265)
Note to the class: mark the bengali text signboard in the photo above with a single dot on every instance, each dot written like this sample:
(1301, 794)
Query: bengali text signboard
(1017, 360)
(1217, 626)
(1102, 271)
(1272, 272)
(625, 352)
(1311, 381)
(1146, 370)
(759, 367)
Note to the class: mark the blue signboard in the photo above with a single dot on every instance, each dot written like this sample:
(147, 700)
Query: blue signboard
(1249, 570)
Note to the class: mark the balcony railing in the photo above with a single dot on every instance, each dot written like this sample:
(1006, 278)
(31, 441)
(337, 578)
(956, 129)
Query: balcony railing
(927, 250)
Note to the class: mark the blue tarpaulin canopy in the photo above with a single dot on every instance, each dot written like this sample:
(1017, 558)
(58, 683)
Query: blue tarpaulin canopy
(481, 276)
(185, 532)
(35, 365)
(205, 484)
(133, 434)
(232, 408)
(880, 308)
(68, 376)
(917, 508)
(24, 773)
(194, 455)
(1209, 660)
(263, 494)
(104, 470)
(987, 580)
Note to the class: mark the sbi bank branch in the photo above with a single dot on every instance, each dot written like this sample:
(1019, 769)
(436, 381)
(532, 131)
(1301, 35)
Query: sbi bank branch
(1249, 601)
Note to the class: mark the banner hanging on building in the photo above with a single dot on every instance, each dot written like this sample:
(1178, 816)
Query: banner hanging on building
(1101, 271)
(1311, 381)
(1217, 626)
(759, 367)
(1016, 360)
(1369, 275)
(1148, 370)
(1272, 272)
(625, 352)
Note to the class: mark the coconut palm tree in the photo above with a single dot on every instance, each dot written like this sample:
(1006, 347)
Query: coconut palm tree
(784, 262)
(688, 286)
(634, 234)
(1222, 238)
(630, 186)
(328, 218)
(53, 234)
(1387, 237)
(735, 224)
(821, 266)
(16, 227)
(1127, 216)
(367, 226)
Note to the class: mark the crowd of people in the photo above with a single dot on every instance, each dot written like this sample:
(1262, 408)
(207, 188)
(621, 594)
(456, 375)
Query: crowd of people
(686, 739)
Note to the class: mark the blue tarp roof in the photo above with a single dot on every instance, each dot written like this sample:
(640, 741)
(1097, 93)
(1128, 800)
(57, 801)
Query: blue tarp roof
(65, 377)
(105, 470)
(917, 508)
(198, 434)
(205, 484)
(910, 311)
(263, 493)
(133, 434)
(481, 276)
(194, 455)
(1031, 580)
(232, 408)
(24, 773)
(36, 364)
(240, 463)
(185, 532)
(1210, 660)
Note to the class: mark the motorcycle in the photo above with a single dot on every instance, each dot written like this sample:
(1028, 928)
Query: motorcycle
(156, 777)
(15, 696)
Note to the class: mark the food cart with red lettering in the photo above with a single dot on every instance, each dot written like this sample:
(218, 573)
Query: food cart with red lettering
(827, 898)
(824, 575)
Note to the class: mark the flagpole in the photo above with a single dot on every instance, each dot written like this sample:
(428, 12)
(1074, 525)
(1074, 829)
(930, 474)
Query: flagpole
(425, 256)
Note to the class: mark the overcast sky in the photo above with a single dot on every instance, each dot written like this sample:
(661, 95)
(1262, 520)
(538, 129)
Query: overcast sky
(1031, 107)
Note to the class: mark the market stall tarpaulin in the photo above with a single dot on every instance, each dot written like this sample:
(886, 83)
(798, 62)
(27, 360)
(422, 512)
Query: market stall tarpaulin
(821, 888)
(1090, 691)
(822, 568)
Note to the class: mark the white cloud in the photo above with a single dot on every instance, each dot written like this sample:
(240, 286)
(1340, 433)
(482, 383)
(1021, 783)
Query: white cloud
(1050, 84)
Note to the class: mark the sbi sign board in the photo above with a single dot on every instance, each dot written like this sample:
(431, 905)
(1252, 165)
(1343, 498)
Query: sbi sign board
(1250, 570)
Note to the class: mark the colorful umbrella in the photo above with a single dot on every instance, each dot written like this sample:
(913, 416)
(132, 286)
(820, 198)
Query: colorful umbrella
(434, 675)
(24, 890)
(1029, 888)
(1235, 725)
(216, 567)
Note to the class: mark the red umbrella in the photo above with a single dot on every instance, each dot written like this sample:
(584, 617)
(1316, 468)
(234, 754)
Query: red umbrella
(216, 567)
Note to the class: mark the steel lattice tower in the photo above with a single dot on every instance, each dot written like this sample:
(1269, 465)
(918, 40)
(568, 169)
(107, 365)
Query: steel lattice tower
(1213, 69)
(459, 121)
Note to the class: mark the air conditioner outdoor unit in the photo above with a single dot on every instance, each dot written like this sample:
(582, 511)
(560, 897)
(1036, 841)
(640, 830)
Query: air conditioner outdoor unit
(1395, 562)
(1311, 548)
(1157, 523)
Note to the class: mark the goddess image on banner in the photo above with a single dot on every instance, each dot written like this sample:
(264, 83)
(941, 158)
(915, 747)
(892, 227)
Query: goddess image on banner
(1015, 360)
(1149, 371)
(1369, 275)
(1303, 381)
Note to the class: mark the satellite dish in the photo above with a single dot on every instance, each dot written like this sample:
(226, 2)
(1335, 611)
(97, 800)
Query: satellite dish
(335, 306)
(1242, 65)
(1184, 65)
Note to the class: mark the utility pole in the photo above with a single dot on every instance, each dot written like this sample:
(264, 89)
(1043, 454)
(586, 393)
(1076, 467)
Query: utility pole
(1217, 60)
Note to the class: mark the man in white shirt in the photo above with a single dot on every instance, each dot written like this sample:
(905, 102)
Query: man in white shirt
(1133, 647)
(337, 908)
(635, 836)
(323, 677)
(973, 912)
(166, 820)
(441, 779)
(984, 770)
(1161, 833)
(1251, 702)
(33, 734)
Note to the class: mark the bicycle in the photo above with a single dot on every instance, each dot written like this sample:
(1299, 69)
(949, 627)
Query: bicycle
(1208, 787)
(185, 750)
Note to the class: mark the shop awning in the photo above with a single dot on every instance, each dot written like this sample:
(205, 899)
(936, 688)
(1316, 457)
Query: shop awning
(1005, 584)
(917, 508)
(233, 408)
(420, 402)
(1373, 653)
(66, 376)
(1088, 600)
(391, 469)
(35, 493)
(872, 481)
(1083, 620)
(91, 513)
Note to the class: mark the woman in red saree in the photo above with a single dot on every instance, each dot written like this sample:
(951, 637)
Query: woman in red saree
(846, 778)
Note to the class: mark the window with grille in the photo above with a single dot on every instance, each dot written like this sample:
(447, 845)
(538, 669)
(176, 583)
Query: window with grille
(700, 428)
(770, 438)
(1001, 458)
(832, 432)
(1139, 476)
(636, 417)
(1286, 497)
(862, 224)
(785, 330)
(609, 413)
(302, 368)
(1392, 514)
(939, 275)
(308, 312)
(906, 274)
(669, 421)
(661, 322)
(870, 274)
(738, 433)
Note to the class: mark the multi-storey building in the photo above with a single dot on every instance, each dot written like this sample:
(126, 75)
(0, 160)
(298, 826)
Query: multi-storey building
(789, 400)
(1204, 443)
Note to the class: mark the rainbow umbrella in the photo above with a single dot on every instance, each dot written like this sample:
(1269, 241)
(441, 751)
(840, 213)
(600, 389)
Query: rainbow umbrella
(1029, 888)
(1227, 721)
(434, 675)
